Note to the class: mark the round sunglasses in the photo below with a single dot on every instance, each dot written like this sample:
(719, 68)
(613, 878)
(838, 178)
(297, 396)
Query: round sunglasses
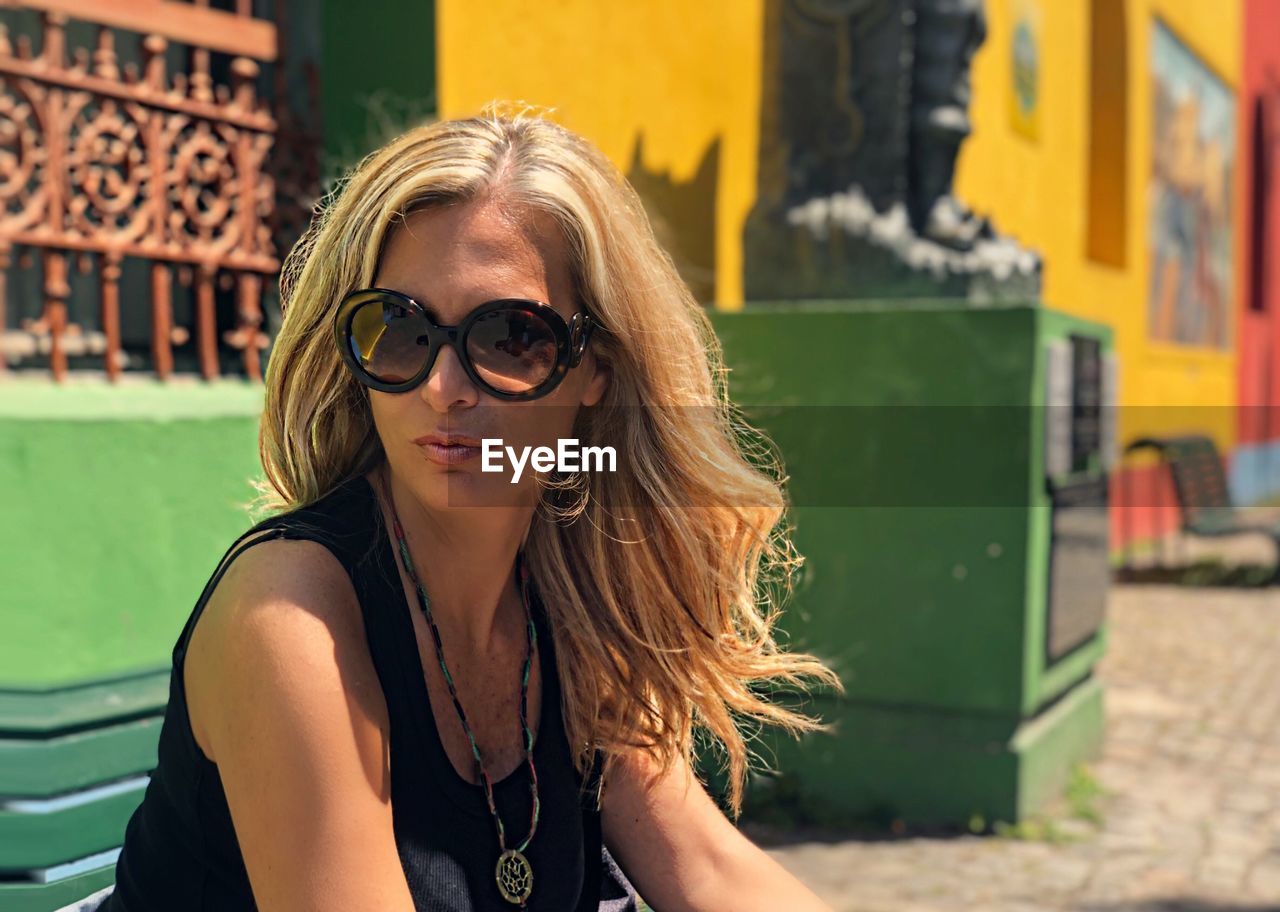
(512, 348)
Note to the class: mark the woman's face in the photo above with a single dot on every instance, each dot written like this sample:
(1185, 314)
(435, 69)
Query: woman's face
(451, 260)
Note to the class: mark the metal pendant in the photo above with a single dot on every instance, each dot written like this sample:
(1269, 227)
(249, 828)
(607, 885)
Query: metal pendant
(515, 877)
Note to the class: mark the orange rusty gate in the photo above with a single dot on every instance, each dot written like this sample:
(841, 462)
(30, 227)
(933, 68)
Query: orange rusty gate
(102, 160)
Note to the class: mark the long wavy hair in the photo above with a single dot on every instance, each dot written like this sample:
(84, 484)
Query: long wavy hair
(662, 618)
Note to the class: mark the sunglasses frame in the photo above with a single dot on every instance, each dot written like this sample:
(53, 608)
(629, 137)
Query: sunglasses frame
(571, 341)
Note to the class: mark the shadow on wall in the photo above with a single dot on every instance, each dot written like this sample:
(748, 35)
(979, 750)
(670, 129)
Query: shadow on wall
(683, 214)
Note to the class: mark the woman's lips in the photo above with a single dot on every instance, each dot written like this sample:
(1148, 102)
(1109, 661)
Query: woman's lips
(449, 455)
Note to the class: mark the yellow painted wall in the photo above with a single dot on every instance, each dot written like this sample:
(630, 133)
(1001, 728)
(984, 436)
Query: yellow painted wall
(1037, 190)
(679, 75)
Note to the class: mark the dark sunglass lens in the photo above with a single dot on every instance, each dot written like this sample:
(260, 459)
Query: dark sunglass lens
(385, 336)
(513, 350)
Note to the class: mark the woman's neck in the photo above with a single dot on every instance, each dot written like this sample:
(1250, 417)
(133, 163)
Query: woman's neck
(465, 560)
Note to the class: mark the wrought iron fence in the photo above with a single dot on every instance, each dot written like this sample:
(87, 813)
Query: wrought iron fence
(105, 159)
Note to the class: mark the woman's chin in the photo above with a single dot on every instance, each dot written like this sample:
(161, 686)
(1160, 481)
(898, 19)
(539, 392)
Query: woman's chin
(455, 490)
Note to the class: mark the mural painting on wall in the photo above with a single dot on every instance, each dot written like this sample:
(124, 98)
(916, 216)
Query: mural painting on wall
(1193, 165)
(865, 107)
(1024, 97)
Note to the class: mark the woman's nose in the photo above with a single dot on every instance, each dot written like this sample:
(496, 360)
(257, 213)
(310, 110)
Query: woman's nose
(447, 384)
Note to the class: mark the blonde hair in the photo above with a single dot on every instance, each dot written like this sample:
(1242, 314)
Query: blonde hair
(658, 635)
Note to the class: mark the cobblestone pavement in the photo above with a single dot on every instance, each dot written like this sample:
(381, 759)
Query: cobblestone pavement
(1190, 812)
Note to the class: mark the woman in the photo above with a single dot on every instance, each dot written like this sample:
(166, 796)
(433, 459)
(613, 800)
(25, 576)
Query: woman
(424, 685)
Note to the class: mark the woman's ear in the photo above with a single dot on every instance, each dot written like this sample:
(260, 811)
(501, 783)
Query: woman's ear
(601, 376)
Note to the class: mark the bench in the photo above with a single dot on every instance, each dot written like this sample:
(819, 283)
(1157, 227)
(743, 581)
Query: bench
(74, 765)
(1200, 484)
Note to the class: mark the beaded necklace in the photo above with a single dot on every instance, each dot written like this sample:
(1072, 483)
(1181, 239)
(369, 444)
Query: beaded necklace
(513, 873)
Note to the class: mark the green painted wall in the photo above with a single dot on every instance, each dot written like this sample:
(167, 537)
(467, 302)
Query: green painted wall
(119, 503)
(907, 437)
(375, 80)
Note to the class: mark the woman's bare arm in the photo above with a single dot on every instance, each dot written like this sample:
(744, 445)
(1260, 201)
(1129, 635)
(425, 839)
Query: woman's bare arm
(680, 851)
(285, 695)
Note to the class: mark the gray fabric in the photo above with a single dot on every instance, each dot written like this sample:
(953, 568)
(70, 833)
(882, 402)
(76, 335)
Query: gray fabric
(616, 892)
(90, 903)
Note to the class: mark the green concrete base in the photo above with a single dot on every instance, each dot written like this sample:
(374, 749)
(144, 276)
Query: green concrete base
(921, 508)
(925, 768)
(119, 502)
(1048, 746)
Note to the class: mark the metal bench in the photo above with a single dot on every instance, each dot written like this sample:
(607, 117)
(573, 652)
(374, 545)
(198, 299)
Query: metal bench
(1200, 484)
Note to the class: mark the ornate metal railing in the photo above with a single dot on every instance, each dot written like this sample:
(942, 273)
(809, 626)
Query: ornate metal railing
(102, 160)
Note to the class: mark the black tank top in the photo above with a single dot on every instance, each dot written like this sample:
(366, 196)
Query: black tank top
(180, 849)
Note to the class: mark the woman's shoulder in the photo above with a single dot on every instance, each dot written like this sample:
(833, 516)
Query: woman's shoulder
(282, 681)
(285, 602)
(284, 589)
(294, 569)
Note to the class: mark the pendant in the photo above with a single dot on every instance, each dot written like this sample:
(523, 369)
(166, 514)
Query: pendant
(515, 877)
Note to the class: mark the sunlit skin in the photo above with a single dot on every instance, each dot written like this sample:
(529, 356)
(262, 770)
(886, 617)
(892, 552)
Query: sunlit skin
(464, 526)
